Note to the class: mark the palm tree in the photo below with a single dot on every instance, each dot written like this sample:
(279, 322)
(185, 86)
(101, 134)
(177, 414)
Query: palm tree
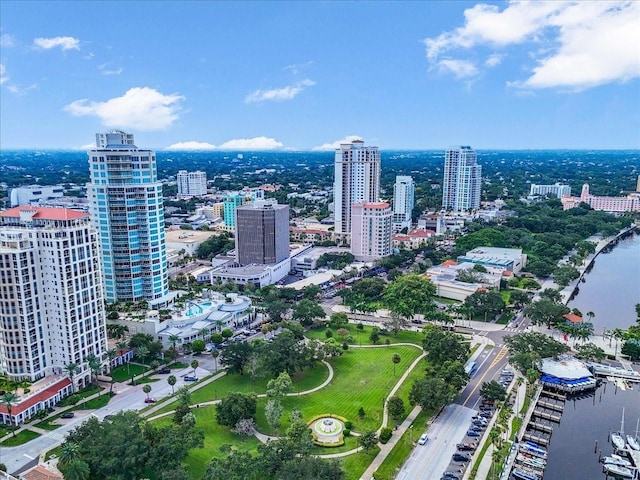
(194, 365)
(172, 381)
(147, 389)
(395, 359)
(215, 353)
(174, 340)
(69, 452)
(122, 346)
(204, 332)
(142, 352)
(9, 398)
(72, 369)
(95, 365)
(76, 470)
(590, 314)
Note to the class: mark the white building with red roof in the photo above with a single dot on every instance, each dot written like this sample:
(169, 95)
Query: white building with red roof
(412, 239)
(51, 300)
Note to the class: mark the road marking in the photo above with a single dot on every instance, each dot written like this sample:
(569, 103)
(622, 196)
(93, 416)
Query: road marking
(503, 351)
(28, 456)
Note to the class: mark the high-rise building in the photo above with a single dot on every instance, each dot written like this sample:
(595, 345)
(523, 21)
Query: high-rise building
(557, 189)
(191, 184)
(229, 205)
(52, 310)
(371, 230)
(356, 180)
(462, 183)
(126, 207)
(403, 201)
(262, 233)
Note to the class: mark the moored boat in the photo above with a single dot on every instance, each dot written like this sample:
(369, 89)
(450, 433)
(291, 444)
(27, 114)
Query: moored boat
(524, 475)
(616, 460)
(618, 471)
(633, 443)
(618, 440)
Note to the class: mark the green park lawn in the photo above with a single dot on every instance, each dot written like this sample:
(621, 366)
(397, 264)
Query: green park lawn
(21, 438)
(125, 372)
(214, 437)
(361, 337)
(363, 377)
(355, 465)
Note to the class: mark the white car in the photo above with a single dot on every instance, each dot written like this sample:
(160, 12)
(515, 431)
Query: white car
(423, 439)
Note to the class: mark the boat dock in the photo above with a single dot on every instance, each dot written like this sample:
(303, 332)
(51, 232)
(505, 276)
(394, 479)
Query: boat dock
(602, 370)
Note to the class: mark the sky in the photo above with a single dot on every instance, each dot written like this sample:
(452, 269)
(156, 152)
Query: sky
(305, 75)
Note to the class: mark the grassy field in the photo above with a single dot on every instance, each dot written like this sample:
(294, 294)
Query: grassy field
(125, 372)
(214, 437)
(21, 437)
(95, 403)
(355, 465)
(79, 395)
(362, 336)
(363, 377)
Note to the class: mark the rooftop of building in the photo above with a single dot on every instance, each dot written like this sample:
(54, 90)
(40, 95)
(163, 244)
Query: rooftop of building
(495, 252)
(373, 205)
(572, 317)
(44, 213)
(564, 367)
(188, 236)
(40, 472)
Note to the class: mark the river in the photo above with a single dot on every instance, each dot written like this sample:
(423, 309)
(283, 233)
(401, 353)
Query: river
(612, 288)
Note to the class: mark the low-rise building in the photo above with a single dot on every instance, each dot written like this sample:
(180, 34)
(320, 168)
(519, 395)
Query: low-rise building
(187, 240)
(511, 259)
(630, 203)
(412, 239)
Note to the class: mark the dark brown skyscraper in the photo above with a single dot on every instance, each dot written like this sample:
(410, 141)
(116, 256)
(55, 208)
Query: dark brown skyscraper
(262, 233)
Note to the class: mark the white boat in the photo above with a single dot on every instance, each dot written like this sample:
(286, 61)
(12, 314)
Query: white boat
(618, 441)
(616, 460)
(633, 443)
(618, 471)
(524, 475)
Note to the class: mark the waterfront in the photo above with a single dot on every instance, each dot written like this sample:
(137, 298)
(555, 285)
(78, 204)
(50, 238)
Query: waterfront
(612, 288)
(572, 452)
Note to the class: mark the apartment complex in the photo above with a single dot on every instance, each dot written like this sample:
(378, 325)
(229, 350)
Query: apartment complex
(35, 194)
(356, 180)
(558, 190)
(404, 191)
(191, 184)
(126, 207)
(262, 233)
(462, 183)
(630, 203)
(51, 303)
(371, 228)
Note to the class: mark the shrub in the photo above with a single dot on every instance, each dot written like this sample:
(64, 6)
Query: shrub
(345, 346)
(361, 412)
(348, 425)
(328, 333)
(385, 434)
(346, 432)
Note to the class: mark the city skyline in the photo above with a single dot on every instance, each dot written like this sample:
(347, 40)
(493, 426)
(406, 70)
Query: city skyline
(305, 76)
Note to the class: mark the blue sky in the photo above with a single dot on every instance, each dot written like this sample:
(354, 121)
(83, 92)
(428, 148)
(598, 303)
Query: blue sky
(304, 75)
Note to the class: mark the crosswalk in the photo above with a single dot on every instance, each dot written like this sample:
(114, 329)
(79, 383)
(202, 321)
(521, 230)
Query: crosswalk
(510, 329)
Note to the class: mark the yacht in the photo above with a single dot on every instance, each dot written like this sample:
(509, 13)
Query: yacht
(616, 460)
(618, 471)
(633, 443)
(618, 441)
(520, 474)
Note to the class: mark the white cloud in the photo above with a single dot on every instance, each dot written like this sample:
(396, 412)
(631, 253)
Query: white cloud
(7, 41)
(2, 76)
(139, 108)
(336, 144)
(65, 43)
(279, 94)
(18, 90)
(459, 68)
(296, 67)
(493, 60)
(88, 146)
(255, 143)
(191, 145)
(576, 44)
(105, 70)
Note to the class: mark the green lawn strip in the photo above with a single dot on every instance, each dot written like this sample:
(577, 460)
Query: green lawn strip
(140, 381)
(363, 377)
(54, 452)
(214, 437)
(125, 372)
(22, 437)
(79, 395)
(6, 430)
(402, 449)
(476, 464)
(361, 337)
(355, 465)
(94, 403)
(177, 365)
(403, 392)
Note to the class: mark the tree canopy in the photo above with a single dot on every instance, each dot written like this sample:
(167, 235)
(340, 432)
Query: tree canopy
(409, 295)
(528, 348)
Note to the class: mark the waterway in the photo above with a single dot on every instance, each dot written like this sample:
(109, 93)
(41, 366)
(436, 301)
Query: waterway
(612, 288)
(572, 452)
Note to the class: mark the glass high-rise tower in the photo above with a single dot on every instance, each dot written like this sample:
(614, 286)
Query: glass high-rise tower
(125, 197)
(462, 183)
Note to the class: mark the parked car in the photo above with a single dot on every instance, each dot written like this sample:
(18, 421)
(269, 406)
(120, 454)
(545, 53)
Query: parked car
(473, 433)
(190, 378)
(67, 415)
(164, 370)
(461, 457)
(423, 439)
(149, 400)
(486, 414)
(451, 475)
(466, 447)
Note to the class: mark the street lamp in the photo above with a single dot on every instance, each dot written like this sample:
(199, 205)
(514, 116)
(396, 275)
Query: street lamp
(411, 434)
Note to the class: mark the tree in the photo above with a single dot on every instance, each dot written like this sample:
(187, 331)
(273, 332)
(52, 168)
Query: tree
(565, 274)
(493, 391)
(171, 380)
(631, 348)
(217, 338)
(8, 399)
(142, 352)
(184, 405)
(546, 312)
(215, 353)
(590, 352)
(396, 360)
(442, 345)
(551, 294)
(276, 309)
(288, 354)
(75, 470)
(431, 393)
(95, 365)
(519, 298)
(279, 386)
(307, 311)
(194, 364)
(147, 389)
(273, 411)
(227, 333)
(529, 348)
(374, 338)
(336, 320)
(198, 346)
(174, 340)
(409, 295)
(72, 370)
(236, 356)
(234, 407)
(245, 427)
(395, 406)
(485, 303)
(368, 440)
(69, 452)
(140, 340)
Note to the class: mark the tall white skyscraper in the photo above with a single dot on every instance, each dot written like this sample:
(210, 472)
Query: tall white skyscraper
(371, 228)
(356, 180)
(191, 184)
(52, 309)
(126, 207)
(462, 179)
(404, 191)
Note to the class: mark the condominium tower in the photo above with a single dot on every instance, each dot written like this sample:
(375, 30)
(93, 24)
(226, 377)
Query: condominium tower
(371, 230)
(52, 309)
(403, 201)
(557, 189)
(356, 180)
(462, 183)
(191, 184)
(262, 233)
(126, 207)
